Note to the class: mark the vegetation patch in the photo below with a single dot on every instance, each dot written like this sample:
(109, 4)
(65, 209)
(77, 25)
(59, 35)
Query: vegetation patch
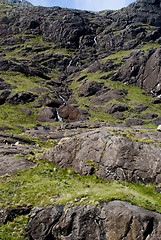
(47, 184)
(14, 230)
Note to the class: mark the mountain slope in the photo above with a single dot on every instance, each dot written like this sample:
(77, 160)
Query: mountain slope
(87, 86)
(17, 3)
(63, 52)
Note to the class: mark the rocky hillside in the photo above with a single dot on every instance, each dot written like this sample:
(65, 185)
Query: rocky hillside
(98, 66)
(17, 3)
(80, 101)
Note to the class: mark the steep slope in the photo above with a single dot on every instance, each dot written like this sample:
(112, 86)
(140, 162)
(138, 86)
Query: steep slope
(77, 82)
(62, 53)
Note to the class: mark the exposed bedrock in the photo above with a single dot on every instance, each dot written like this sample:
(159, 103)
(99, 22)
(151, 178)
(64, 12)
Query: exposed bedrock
(111, 155)
(111, 221)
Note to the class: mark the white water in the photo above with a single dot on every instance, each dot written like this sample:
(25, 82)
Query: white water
(60, 119)
(63, 99)
(95, 41)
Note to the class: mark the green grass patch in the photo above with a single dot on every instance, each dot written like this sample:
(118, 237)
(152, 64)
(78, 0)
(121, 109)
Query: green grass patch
(135, 96)
(14, 230)
(47, 184)
(117, 56)
(12, 116)
(44, 185)
(149, 45)
(22, 82)
(129, 134)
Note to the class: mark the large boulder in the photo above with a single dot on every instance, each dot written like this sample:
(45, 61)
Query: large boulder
(21, 97)
(3, 95)
(90, 88)
(143, 70)
(110, 155)
(108, 95)
(114, 220)
(71, 114)
(4, 85)
(114, 107)
(47, 114)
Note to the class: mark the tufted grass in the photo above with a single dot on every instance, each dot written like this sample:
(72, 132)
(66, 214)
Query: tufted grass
(46, 184)
(12, 116)
(43, 185)
(14, 230)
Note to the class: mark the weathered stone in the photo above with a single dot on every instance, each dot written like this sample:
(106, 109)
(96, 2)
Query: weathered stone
(4, 85)
(47, 114)
(119, 115)
(90, 88)
(114, 220)
(134, 121)
(26, 111)
(112, 156)
(9, 214)
(148, 115)
(113, 108)
(21, 98)
(71, 114)
(3, 95)
(12, 164)
(108, 95)
(157, 121)
(138, 108)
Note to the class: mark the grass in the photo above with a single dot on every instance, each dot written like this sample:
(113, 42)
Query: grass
(22, 82)
(135, 96)
(14, 230)
(12, 116)
(118, 56)
(47, 184)
(128, 134)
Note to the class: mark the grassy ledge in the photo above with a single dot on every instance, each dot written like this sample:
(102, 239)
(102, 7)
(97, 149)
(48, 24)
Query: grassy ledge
(47, 184)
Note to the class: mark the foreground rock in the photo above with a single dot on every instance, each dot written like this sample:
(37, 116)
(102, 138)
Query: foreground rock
(14, 150)
(126, 156)
(113, 221)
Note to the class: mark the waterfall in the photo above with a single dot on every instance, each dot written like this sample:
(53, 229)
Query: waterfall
(95, 41)
(63, 99)
(70, 63)
(60, 119)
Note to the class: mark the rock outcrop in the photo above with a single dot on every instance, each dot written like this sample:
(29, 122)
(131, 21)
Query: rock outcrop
(110, 221)
(126, 156)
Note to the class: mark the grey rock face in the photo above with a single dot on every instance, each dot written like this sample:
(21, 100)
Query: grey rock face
(47, 114)
(140, 68)
(90, 88)
(109, 156)
(21, 98)
(111, 221)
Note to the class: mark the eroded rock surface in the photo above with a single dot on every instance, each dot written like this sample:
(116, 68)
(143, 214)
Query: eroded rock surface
(111, 221)
(126, 155)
